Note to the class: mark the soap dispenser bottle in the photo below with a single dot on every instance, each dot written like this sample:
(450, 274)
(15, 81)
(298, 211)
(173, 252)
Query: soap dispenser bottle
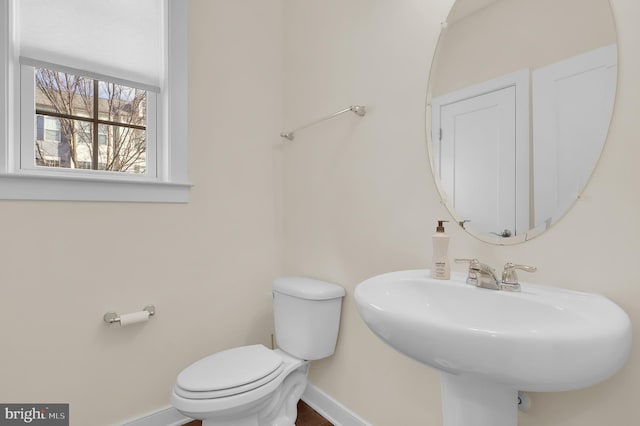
(440, 268)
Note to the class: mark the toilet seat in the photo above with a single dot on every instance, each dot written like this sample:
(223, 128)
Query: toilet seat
(229, 372)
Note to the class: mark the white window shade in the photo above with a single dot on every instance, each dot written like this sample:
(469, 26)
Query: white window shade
(121, 38)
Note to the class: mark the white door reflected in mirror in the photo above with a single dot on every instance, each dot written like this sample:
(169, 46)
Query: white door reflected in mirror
(479, 132)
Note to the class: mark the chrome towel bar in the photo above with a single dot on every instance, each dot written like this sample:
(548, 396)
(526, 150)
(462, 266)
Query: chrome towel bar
(359, 110)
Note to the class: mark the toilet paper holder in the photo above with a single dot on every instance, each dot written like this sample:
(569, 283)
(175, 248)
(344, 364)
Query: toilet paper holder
(111, 317)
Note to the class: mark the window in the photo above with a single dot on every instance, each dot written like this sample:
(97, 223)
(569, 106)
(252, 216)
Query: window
(51, 129)
(108, 123)
(87, 124)
(86, 133)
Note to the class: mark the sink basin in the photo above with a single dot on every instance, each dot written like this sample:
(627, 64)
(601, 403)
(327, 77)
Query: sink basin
(490, 344)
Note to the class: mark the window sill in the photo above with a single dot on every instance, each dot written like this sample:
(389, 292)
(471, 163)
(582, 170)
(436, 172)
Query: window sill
(65, 188)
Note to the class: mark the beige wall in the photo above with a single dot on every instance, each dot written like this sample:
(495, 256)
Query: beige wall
(359, 200)
(206, 265)
(510, 35)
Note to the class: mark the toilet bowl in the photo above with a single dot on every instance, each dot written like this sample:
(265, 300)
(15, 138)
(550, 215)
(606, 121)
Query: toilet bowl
(256, 386)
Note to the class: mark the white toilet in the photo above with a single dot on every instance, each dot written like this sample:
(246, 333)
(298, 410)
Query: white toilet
(256, 386)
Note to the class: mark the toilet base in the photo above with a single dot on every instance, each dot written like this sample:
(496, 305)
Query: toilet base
(283, 409)
(280, 410)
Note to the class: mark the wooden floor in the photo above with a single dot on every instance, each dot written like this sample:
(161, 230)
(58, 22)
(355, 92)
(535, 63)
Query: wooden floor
(306, 417)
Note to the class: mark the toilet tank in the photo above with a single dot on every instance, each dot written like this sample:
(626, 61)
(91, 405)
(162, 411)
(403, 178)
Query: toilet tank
(306, 312)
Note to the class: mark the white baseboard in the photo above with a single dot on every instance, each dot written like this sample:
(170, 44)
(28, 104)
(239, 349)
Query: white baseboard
(165, 417)
(331, 409)
(317, 399)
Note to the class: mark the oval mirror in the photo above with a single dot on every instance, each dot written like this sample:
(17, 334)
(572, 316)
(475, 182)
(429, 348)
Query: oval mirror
(519, 103)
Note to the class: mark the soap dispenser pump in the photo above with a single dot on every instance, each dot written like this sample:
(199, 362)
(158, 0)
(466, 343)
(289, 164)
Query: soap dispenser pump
(440, 268)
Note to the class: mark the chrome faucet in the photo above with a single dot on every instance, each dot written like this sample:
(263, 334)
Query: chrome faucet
(482, 275)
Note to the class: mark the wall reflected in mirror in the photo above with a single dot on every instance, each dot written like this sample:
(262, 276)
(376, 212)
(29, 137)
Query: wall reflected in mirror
(520, 99)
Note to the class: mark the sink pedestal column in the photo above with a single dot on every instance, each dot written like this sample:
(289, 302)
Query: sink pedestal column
(472, 401)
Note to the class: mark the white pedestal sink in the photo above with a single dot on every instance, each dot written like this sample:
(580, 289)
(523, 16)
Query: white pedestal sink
(490, 344)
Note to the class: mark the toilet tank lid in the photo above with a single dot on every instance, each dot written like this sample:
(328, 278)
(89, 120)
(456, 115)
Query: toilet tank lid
(307, 288)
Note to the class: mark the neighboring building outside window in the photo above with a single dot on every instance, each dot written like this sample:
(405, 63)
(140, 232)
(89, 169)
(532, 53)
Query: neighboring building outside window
(89, 124)
(51, 129)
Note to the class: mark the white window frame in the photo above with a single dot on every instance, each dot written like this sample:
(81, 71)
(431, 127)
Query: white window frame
(168, 183)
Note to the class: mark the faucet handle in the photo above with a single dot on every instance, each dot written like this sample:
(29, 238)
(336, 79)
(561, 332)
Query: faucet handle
(469, 261)
(478, 269)
(476, 265)
(510, 277)
(472, 275)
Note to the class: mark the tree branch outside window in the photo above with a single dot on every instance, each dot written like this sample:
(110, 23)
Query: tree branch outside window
(103, 124)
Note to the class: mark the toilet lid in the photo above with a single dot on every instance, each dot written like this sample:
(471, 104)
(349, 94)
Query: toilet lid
(232, 368)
